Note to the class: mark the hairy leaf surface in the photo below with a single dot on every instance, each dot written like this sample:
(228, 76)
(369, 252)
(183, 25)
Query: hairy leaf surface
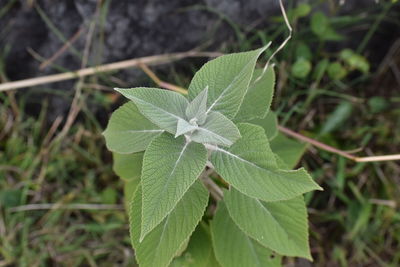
(257, 101)
(199, 252)
(227, 78)
(250, 166)
(198, 107)
(160, 246)
(233, 248)
(280, 226)
(170, 167)
(217, 129)
(128, 131)
(162, 107)
(183, 127)
(269, 123)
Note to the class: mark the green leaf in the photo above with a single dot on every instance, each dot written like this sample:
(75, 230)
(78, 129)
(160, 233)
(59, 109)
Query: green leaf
(320, 69)
(269, 123)
(257, 101)
(128, 131)
(217, 130)
(338, 117)
(280, 226)
(130, 187)
(170, 167)
(303, 51)
(354, 60)
(160, 246)
(128, 166)
(198, 107)
(162, 107)
(184, 127)
(336, 71)
(250, 166)
(233, 248)
(228, 78)
(301, 68)
(302, 10)
(319, 23)
(289, 150)
(199, 252)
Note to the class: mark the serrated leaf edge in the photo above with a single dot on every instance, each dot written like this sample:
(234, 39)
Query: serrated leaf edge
(180, 245)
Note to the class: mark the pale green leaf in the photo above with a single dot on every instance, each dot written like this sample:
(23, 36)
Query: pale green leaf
(280, 226)
(233, 248)
(269, 123)
(184, 127)
(128, 131)
(228, 78)
(217, 130)
(160, 246)
(257, 101)
(289, 150)
(162, 107)
(250, 166)
(130, 187)
(170, 166)
(198, 107)
(128, 166)
(199, 252)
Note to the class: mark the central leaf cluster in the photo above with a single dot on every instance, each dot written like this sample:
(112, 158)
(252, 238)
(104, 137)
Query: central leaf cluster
(171, 133)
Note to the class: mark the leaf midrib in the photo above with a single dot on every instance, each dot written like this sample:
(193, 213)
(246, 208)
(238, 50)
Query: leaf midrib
(228, 87)
(169, 180)
(215, 134)
(250, 163)
(157, 107)
(277, 222)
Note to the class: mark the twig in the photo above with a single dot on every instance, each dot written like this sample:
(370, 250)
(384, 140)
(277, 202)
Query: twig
(335, 150)
(162, 83)
(52, 130)
(214, 189)
(56, 206)
(150, 60)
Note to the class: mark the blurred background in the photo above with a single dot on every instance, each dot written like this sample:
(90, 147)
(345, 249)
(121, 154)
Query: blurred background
(338, 82)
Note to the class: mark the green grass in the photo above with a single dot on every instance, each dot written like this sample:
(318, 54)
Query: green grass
(354, 222)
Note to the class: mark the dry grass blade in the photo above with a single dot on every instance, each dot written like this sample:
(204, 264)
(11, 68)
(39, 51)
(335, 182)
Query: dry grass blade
(150, 60)
(335, 150)
(56, 206)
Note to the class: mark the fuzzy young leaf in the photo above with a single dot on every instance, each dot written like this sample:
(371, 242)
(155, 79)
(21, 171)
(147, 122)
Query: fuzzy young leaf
(128, 131)
(184, 127)
(217, 130)
(198, 107)
(257, 101)
(228, 78)
(170, 167)
(128, 166)
(280, 226)
(233, 248)
(250, 166)
(160, 246)
(199, 252)
(162, 107)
